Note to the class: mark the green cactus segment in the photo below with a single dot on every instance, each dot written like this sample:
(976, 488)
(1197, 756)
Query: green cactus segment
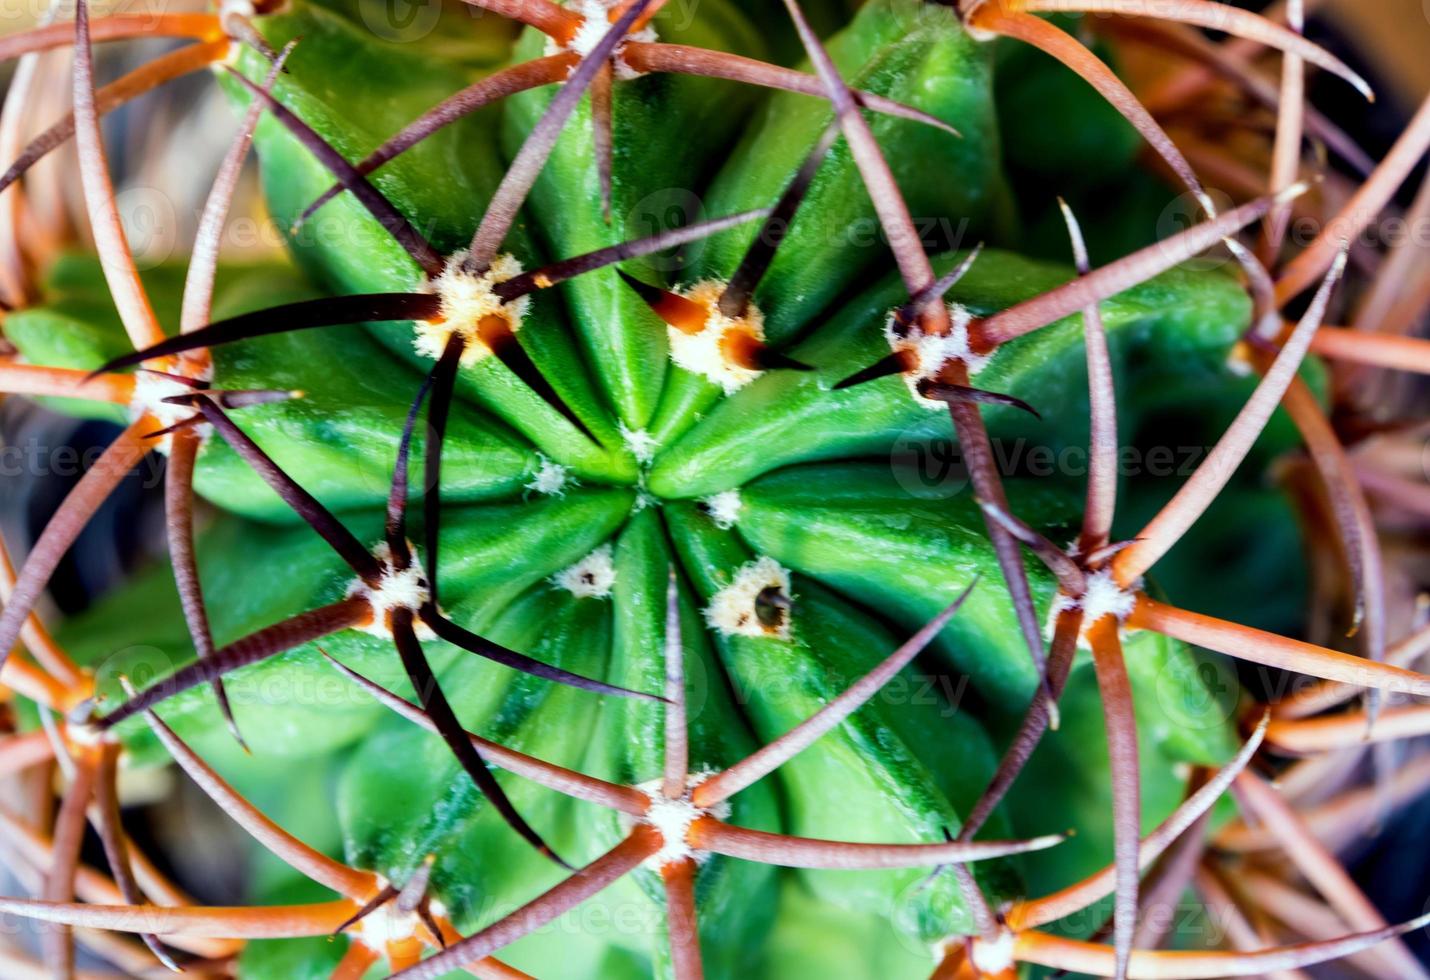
(455, 33)
(667, 129)
(839, 523)
(814, 939)
(290, 704)
(718, 734)
(736, 898)
(1080, 139)
(869, 779)
(405, 797)
(910, 52)
(1071, 767)
(338, 439)
(496, 553)
(339, 80)
(340, 83)
(77, 325)
(1181, 322)
(553, 351)
(914, 53)
(287, 706)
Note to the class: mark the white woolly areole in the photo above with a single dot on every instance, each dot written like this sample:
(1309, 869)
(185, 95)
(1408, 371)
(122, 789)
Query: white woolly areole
(992, 957)
(1102, 597)
(595, 22)
(389, 924)
(932, 351)
(466, 299)
(673, 818)
(150, 390)
(242, 10)
(238, 8)
(1238, 360)
(723, 508)
(551, 478)
(85, 733)
(590, 578)
(404, 589)
(731, 611)
(386, 924)
(639, 443)
(703, 353)
(980, 34)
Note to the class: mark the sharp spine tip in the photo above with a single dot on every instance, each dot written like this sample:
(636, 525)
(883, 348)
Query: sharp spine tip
(769, 359)
(647, 292)
(889, 364)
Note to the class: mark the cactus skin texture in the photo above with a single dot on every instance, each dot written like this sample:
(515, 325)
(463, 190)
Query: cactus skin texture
(583, 712)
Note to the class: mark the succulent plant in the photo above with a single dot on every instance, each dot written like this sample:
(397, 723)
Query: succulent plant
(728, 623)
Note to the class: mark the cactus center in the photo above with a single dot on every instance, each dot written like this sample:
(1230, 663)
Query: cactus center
(640, 443)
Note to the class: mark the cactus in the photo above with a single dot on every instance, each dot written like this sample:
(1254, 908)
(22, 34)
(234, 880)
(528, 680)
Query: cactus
(686, 639)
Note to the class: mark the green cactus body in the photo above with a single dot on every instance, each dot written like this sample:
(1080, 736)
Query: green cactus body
(784, 471)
